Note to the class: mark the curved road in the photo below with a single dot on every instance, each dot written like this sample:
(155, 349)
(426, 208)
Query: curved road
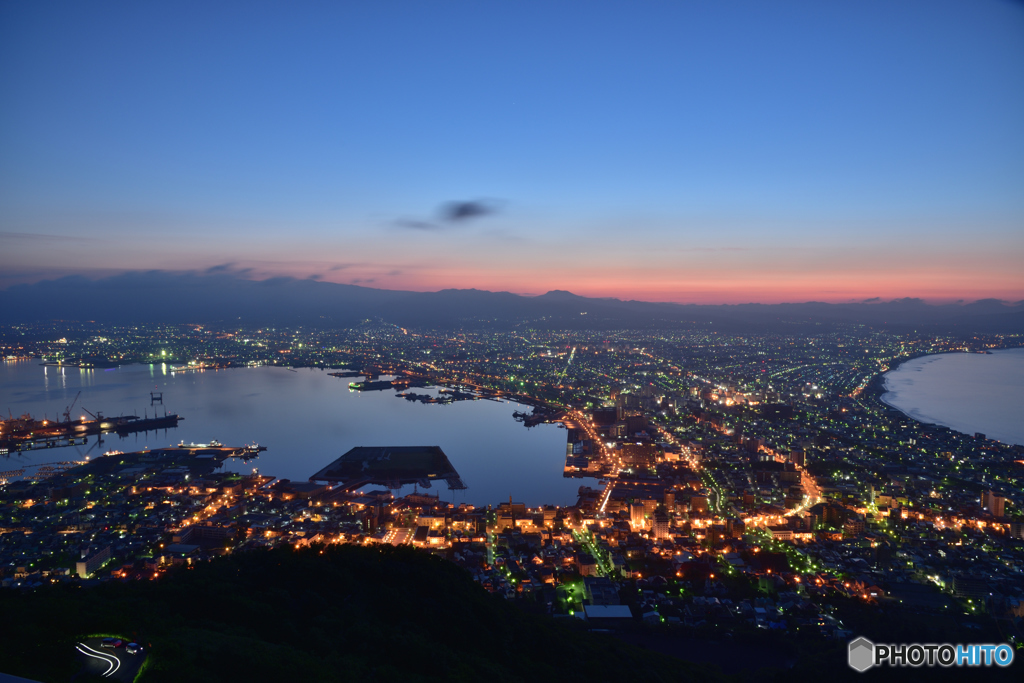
(113, 663)
(107, 662)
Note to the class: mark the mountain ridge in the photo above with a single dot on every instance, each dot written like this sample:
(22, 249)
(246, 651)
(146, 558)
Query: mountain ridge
(163, 296)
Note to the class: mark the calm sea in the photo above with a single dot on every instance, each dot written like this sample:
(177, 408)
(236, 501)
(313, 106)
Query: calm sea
(305, 418)
(968, 392)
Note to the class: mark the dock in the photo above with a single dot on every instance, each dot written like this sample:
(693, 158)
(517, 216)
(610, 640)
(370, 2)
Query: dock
(391, 466)
(26, 433)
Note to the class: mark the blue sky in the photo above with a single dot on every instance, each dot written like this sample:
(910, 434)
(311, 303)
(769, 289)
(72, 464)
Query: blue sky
(690, 151)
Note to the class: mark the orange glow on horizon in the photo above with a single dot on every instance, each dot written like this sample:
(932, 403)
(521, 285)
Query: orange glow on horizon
(715, 278)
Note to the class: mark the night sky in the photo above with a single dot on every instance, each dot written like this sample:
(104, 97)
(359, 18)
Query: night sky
(709, 152)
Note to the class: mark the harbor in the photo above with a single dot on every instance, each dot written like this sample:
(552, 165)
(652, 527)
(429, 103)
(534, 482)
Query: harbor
(307, 419)
(26, 432)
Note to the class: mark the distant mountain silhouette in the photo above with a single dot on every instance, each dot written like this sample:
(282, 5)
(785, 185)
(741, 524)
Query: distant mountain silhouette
(162, 296)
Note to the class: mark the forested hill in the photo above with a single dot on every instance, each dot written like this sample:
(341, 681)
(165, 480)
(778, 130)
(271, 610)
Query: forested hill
(351, 613)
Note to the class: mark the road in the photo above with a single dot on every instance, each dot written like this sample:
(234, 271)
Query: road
(113, 663)
(586, 539)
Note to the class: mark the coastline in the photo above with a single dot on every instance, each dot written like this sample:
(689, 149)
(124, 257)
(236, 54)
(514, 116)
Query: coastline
(876, 387)
(881, 390)
(883, 382)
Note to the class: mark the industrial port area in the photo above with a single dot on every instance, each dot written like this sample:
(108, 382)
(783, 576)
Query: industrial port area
(27, 433)
(728, 484)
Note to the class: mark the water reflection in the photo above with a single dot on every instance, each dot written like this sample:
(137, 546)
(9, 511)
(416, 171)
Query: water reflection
(307, 419)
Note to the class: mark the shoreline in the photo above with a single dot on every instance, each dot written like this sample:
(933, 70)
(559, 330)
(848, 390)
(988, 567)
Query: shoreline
(882, 384)
(881, 391)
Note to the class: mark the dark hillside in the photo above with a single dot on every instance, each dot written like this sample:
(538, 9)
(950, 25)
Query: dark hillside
(350, 613)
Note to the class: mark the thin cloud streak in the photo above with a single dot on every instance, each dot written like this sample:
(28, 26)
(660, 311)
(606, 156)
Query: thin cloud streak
(451, 214)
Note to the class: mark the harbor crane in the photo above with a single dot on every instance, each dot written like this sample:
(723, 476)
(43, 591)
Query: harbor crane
(67, 411)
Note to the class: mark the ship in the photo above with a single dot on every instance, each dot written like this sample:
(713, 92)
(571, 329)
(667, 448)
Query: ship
(213, 449)
(20, 433)
(538, 416)
(203, 365)
(381, 385)
(125, 424)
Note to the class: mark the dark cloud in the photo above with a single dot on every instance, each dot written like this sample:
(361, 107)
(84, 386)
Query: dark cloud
(393, 273)
(315, 276)
(340, 266)
(872, 300)
(453, 212)
(219, 268)
(363, 280)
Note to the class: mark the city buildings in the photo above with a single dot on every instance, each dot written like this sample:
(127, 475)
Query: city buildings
(726, 481)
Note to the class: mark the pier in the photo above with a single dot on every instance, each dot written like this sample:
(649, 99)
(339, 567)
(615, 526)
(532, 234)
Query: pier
(392, 466)
(25, 433)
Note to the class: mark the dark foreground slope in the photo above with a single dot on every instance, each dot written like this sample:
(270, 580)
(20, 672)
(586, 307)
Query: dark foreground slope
(349, 614)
